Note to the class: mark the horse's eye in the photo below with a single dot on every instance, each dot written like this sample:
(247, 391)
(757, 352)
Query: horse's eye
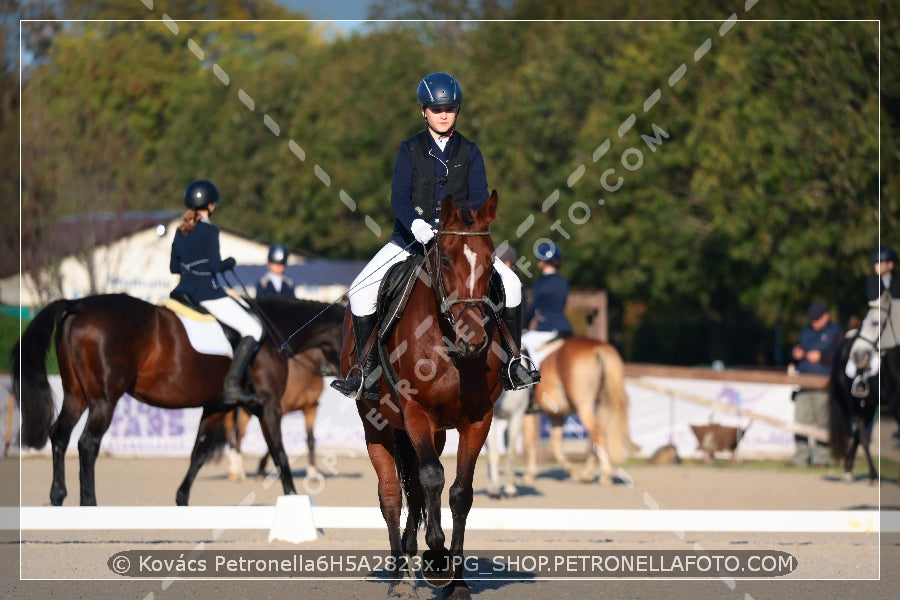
(445, 261)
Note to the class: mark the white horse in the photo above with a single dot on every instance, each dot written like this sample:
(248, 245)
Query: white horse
(510, 406)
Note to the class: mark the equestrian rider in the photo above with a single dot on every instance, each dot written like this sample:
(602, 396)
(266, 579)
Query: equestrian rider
(548, 303)
(195, 256)
(275, 282)
(431, 165)
(883, 261)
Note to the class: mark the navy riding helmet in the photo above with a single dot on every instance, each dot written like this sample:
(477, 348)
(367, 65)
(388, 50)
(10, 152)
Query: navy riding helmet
(278, 254)
(547, 251)
(884, 254)
(200, 193)
(439, 90)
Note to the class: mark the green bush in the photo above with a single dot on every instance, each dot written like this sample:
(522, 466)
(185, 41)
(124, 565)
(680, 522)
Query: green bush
(9, 335)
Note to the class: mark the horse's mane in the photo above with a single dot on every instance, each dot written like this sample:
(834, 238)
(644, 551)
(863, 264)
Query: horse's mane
(465, 210)
(301, 309)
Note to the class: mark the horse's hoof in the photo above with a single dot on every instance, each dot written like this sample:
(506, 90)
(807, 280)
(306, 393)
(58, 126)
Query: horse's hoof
(847, 476)
(236, 476)
(605, 480)
(437, 569)
(511, 491)
(494, 494)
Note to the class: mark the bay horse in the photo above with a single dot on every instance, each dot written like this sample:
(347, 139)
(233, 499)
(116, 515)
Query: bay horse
(854, 401)
(446, 354)
(302, 390)
(585, 377)
(110, 344)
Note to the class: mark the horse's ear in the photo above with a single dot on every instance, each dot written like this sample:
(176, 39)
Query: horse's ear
(488, 210)
(449, 212)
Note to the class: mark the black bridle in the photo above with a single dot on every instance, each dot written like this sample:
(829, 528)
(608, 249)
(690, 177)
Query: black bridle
(444, 299)
(886, 318)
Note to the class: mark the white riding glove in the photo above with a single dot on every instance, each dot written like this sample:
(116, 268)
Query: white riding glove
(422, 231)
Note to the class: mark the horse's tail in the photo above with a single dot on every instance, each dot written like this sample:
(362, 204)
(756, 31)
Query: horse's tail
(615, 400)
(29, 374)
(405, 461)
(839, 409)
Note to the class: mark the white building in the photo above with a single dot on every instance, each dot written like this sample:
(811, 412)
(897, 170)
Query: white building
(130, 253)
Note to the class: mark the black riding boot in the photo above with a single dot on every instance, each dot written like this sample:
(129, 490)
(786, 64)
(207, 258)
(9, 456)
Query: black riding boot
(519, 371)
(362, 330)
(234, 394)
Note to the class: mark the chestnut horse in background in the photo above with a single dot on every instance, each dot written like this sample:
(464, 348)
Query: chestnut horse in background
(585, 377)
(447, 356)
(301, 392)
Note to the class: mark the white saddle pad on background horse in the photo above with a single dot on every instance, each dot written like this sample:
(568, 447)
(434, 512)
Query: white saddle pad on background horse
(203, 331)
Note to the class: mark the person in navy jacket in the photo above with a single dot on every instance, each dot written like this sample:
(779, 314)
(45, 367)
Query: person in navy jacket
(275, 282)
(816, 349)
(548, 303)
(196, 258)
(431, 165)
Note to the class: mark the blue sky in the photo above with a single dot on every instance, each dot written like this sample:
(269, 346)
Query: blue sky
(330, 9)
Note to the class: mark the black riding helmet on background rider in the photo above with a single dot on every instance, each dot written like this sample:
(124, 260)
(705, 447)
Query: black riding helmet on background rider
(198, 194)
(278, 254)
(884, 254)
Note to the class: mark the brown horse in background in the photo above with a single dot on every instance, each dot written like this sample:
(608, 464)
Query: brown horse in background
(585, 377)
(112, 344)
(301, 392)
(446, 353)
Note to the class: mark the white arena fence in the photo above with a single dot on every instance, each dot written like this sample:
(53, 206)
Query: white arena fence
(655, 419)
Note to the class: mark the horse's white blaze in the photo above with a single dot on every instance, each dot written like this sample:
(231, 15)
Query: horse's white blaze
(471, 256)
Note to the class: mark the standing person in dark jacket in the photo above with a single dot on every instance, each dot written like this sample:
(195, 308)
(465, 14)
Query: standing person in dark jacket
(275, 282)
(433, 164)
(195, 256)
(548, 303)
(816, 349)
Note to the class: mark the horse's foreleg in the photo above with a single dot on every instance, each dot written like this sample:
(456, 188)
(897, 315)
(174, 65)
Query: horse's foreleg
(470, 442)
(201, 451)
(556, 436)
(98, 420)
(309, 415)
(422, 437)
(59, 443)
(390, 499)
(865, 440)
(597, 449)
(270, 424)
(852, 446)
(514, 432)
(235, 424)
(530, 439)
(493, 464)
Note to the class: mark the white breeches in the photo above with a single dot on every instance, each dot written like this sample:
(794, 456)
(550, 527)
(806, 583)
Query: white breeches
(228, 311)
(363, 292)
(534, 342)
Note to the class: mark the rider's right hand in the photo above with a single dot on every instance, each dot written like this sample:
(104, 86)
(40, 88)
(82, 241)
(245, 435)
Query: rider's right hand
(422, 231)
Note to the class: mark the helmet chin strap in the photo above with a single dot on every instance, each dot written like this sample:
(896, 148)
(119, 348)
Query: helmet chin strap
(449, 132)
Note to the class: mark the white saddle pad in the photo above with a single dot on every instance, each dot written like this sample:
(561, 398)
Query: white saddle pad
(207, 337)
